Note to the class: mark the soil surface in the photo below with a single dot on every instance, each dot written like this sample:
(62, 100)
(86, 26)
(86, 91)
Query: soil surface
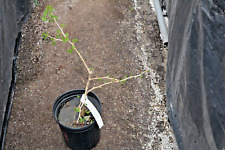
(117, 38)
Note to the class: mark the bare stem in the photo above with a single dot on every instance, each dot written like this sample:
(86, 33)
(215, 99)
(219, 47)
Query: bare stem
(97, 78)
(113, 80)
(85, 64)
(78, 53)
(85, 95)
(54, 38)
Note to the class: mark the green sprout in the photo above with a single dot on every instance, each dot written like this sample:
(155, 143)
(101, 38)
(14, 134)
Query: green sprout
(77, 109)
(82, 120)
(75, 40)
(47, 15)
(87, 112)
(70, 50)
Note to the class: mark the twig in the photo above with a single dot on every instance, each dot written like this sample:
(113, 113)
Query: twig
(85, 95)
(73, 46)
(54, 38)
(103, 78)
(115, 80)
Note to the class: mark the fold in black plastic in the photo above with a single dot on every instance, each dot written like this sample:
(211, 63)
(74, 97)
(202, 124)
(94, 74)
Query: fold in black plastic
(12, 15)
(196, 73)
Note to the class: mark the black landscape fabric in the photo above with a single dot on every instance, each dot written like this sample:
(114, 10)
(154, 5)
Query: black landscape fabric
(13, 13)
(196, 73)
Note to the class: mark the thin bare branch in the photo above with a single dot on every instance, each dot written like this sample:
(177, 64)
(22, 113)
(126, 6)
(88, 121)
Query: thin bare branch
(54, 38)
(85, 95)
(73, 46)
(97, 78)
(115, 81)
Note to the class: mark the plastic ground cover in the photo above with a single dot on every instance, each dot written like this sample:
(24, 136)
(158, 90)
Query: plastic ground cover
(12, 16)
(196, 73)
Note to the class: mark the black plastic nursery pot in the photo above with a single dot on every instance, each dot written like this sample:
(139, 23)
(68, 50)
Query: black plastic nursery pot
(81, 138)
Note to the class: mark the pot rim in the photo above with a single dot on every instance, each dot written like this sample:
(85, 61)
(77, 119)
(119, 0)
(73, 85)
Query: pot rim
(64, 97)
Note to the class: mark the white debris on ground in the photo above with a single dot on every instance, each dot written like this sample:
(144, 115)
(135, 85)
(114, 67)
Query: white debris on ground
(158, 110)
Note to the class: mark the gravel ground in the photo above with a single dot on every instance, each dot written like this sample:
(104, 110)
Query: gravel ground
(116, 37)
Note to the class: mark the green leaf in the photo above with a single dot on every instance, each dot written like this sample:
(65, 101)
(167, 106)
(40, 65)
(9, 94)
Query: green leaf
(51, 16)
(141, 76)
(57, 36)
(53, 43)
(62, 25)
(45, 13)
(82, 119)
(65, 39)
(123, 81)
(44, 18)
(78, 96)
(44, 35)
(70, 51)
(75, 40)
(73, 47)
(108, 76)
(87, 112)
(99, 79)
(56, 18)
(58, 31)
(51, 20)
(77, 109)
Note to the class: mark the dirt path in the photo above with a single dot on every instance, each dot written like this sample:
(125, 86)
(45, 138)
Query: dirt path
(117, 38)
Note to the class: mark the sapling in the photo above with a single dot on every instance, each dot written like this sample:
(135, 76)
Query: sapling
(61, 36)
